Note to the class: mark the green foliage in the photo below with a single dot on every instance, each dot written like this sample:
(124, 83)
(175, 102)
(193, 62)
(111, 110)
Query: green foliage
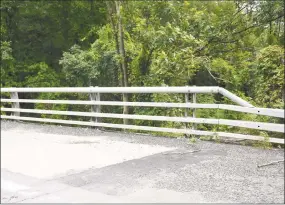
(7, 64)
(268, 75)
(205, 138)
(237, 45)
(40, 75)
(79, 66)
(192, 140)
(263, 144)
(63, 107)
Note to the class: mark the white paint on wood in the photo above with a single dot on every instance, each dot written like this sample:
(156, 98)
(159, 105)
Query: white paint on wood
(14, 95)
(95, 108)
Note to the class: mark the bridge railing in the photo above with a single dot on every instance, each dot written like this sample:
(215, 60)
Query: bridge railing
(95, 114)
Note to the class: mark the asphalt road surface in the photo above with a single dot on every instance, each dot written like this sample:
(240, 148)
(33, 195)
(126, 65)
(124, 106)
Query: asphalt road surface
(50, 163)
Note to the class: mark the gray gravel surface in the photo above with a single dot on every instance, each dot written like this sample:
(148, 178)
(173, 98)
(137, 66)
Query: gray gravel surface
(220, 172)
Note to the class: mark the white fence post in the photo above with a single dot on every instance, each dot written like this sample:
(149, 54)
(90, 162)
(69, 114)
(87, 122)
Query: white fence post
(95, 108)
(194, 109)
(189, 120)
(14, 95)
(186, 109)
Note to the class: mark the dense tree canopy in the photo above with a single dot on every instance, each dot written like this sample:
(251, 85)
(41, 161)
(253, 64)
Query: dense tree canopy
(238, 45)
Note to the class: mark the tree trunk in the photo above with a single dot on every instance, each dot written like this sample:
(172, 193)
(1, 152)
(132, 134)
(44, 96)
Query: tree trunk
(91, 8)
(115, 31)
(123, 57)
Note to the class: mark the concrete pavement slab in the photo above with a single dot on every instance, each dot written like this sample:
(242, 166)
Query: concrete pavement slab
(48, 163)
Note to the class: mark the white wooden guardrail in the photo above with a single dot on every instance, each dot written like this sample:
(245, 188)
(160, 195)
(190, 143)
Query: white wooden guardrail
(95, 114)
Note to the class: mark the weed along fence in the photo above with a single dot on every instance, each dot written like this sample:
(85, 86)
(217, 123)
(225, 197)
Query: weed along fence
(96, 114)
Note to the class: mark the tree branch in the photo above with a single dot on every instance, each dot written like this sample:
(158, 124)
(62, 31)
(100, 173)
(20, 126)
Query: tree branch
(214, 41)
(258, 25)
(271, 163)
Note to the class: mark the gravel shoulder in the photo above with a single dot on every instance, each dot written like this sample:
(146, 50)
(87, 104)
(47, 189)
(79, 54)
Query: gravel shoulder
(199, 172)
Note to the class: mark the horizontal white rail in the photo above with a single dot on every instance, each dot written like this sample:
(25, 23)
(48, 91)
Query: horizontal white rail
(146, 128)
(236, 123)
(116, 103)
(186, 89)
(95, 114)
(234, 98)
(255, 110)
(259, 111)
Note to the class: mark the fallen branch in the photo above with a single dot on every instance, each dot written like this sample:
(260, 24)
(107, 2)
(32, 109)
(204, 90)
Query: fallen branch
(230, 141)
(271, 163)
(185, 152)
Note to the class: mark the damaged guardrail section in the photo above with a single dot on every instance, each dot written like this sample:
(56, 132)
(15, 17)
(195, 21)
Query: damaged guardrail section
(95, 114)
